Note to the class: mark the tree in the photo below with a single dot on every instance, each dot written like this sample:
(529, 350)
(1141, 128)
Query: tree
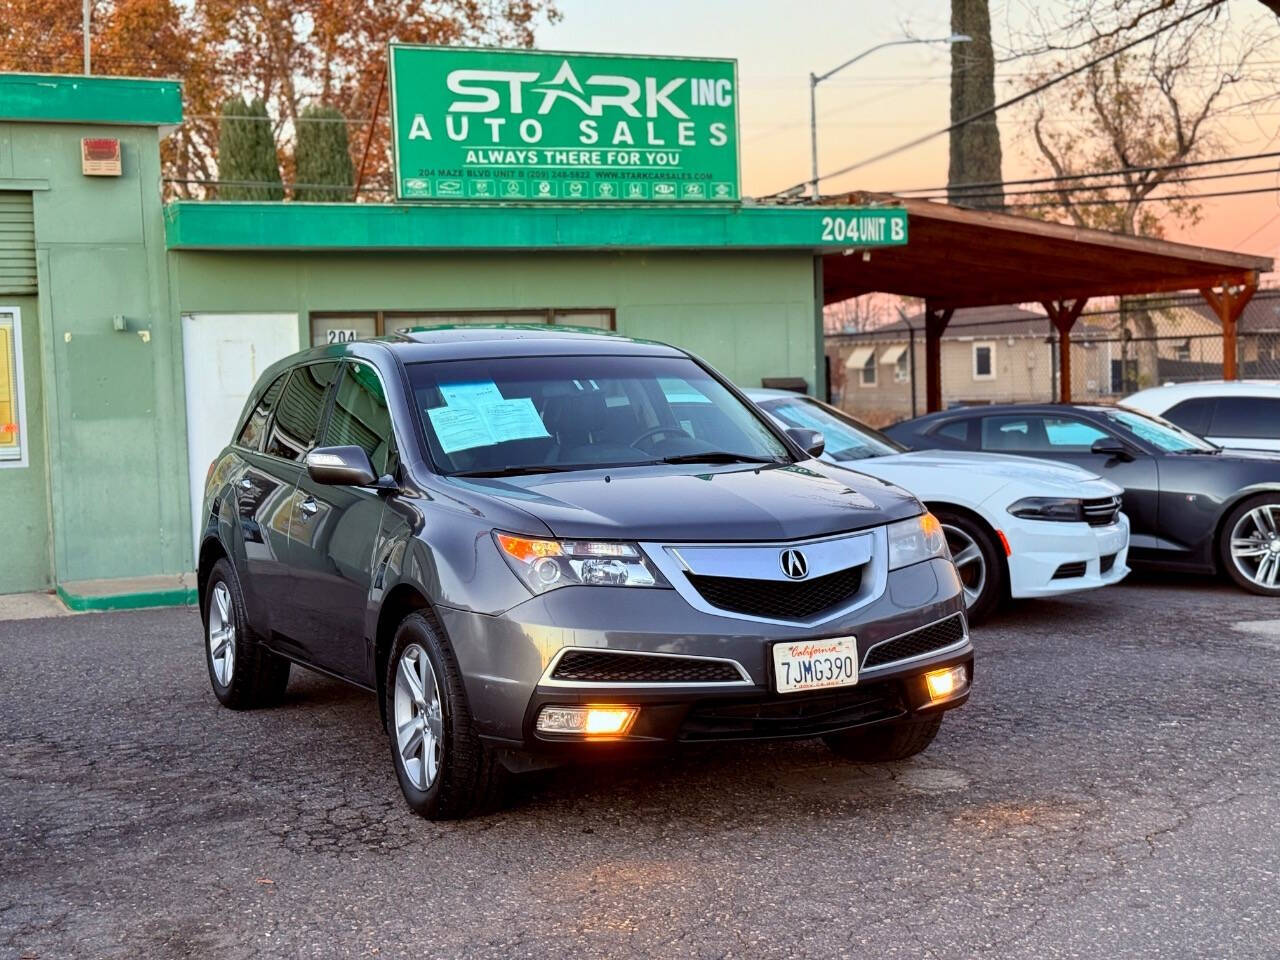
(248, 168)
(322, 156)
(1141, 111)
(975, 147)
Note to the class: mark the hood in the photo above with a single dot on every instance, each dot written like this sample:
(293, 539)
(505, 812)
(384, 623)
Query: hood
(1238, 453)
(1004, 466)
(716, 503)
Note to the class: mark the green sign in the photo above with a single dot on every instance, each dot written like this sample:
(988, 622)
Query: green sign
(532, 126)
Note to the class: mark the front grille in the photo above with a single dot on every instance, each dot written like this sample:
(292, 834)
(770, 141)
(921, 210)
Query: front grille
(1107, 562)
(936, 636)
(792, 716)
(779, 599)
(591, 666)
(1101, 513)
(1069, 571)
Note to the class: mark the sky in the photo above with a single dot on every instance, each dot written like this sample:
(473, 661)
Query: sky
(891, 97)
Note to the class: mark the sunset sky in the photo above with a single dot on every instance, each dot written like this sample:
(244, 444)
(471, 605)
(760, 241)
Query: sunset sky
(887, 99)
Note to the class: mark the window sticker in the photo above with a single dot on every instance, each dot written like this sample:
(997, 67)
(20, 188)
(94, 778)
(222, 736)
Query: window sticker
(513, 420)
(459, 428)
(677, 390)
(470, 394)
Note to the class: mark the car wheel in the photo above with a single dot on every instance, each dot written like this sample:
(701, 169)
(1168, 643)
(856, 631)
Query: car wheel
(244, 674)
(1250, 545)
(884, 742)
(977, 558)
(445, 772)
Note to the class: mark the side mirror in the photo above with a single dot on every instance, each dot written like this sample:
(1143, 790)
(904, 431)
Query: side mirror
(341, 466)
(1112, 447)
(811, 441)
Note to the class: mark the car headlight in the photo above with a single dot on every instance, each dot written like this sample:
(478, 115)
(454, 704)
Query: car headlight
(546, 564)
(1064, 509)
(912, 541)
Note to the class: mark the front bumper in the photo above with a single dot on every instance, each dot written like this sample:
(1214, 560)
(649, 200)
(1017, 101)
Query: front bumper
(1048, 558)
(504, 662)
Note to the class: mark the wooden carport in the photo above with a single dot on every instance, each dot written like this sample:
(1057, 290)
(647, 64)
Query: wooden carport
(956, 257)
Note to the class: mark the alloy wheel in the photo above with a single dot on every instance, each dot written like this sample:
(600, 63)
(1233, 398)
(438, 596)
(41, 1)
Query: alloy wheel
(419, 726)
(969, 561)
(222, 634)
(1255, 545)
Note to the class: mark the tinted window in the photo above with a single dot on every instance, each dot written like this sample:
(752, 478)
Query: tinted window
(360, 417)
(1244, 417)
(954, 434)
(1191, 414)
(256, 425)
(581, 411)
(1038, 434)
(297, 419)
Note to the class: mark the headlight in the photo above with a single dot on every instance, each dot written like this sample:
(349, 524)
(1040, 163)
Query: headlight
(546, 564)
(914, 540)
(1063, 509)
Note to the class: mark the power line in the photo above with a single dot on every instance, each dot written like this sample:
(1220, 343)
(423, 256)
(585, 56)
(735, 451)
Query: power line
(1185, 196)
(1261, 171)
(992, 110)
(1120, 171)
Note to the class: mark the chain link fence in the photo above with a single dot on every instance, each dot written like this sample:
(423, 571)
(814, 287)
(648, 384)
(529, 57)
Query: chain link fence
(1010, 355)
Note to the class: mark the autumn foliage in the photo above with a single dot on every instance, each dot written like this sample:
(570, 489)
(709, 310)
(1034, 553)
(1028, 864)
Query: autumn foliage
(290, 54)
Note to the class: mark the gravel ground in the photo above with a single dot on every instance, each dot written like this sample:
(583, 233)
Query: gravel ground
(1111, 790)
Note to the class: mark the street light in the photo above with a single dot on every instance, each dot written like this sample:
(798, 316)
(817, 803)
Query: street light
(815, 79)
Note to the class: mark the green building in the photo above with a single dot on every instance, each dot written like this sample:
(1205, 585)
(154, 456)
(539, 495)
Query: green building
(131, 332)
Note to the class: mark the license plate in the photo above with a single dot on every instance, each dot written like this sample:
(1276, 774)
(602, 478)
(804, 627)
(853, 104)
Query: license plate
(815, 664)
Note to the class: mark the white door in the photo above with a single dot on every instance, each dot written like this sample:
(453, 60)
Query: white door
(223, 354)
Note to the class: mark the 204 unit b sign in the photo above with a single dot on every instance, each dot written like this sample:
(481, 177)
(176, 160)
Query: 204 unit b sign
(526, 126)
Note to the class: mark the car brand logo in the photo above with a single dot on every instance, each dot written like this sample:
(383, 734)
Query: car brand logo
(794, 565)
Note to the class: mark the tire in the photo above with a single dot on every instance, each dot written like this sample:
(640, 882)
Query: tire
(885, 742)
(979, 561)
(244, 674)
(445, 772)
(1249, 545)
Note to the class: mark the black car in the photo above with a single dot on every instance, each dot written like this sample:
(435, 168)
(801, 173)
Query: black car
(535, 545)
(1191, 505)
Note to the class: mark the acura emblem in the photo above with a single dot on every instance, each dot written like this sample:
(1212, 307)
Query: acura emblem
(794, 565)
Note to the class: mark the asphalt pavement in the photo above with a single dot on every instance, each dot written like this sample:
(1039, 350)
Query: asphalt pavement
(1111, 790)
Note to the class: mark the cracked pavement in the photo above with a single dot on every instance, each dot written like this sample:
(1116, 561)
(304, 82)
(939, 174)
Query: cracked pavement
(1111, 790)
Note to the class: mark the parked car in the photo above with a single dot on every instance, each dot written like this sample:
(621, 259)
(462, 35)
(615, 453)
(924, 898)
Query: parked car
(1017, 527)
(513, 540)
(1229, 413)
(1191, 504)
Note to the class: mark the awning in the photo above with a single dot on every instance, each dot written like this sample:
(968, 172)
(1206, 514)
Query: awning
(893, 354)
(859, 357)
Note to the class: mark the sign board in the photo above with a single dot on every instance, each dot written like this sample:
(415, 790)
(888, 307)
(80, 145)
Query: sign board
(529, 126)
(100, 156)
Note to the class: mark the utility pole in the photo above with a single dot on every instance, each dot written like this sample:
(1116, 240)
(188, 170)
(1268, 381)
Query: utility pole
(84, 26)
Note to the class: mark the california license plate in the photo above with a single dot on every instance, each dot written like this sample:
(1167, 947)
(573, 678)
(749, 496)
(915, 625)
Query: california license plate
(815, 664)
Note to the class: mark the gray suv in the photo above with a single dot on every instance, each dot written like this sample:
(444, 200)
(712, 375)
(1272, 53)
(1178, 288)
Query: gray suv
(538, 545)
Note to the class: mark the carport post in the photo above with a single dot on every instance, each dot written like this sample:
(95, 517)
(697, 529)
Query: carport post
(935, 322)
(1064, 316)
(1229, 304)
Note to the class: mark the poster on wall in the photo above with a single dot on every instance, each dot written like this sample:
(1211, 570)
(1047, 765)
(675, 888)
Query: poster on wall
(483, 125)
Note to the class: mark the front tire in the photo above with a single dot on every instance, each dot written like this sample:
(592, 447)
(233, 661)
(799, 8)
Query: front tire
(977, 557)
(244, 674)
(885, 742)
(1249, 545)
(445, 772)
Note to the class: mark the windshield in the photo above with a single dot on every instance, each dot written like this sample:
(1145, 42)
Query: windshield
(1158, 432)
(846, 439)
(534, 414)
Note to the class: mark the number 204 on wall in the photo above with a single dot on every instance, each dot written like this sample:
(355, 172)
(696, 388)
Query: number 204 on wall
(869, 228)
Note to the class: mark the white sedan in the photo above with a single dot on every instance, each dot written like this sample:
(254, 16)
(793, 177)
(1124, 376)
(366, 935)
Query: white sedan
(1016, 526)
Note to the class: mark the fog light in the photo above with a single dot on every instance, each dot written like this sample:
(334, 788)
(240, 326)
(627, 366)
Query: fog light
(587, 721)
(945, 683)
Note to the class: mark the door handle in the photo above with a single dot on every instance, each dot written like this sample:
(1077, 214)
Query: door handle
(309, 506)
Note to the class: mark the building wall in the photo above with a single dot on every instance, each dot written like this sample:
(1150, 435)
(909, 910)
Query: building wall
(111, 400)
(749, 314)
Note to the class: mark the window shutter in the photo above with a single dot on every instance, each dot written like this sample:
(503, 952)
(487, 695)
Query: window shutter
(17, 243)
